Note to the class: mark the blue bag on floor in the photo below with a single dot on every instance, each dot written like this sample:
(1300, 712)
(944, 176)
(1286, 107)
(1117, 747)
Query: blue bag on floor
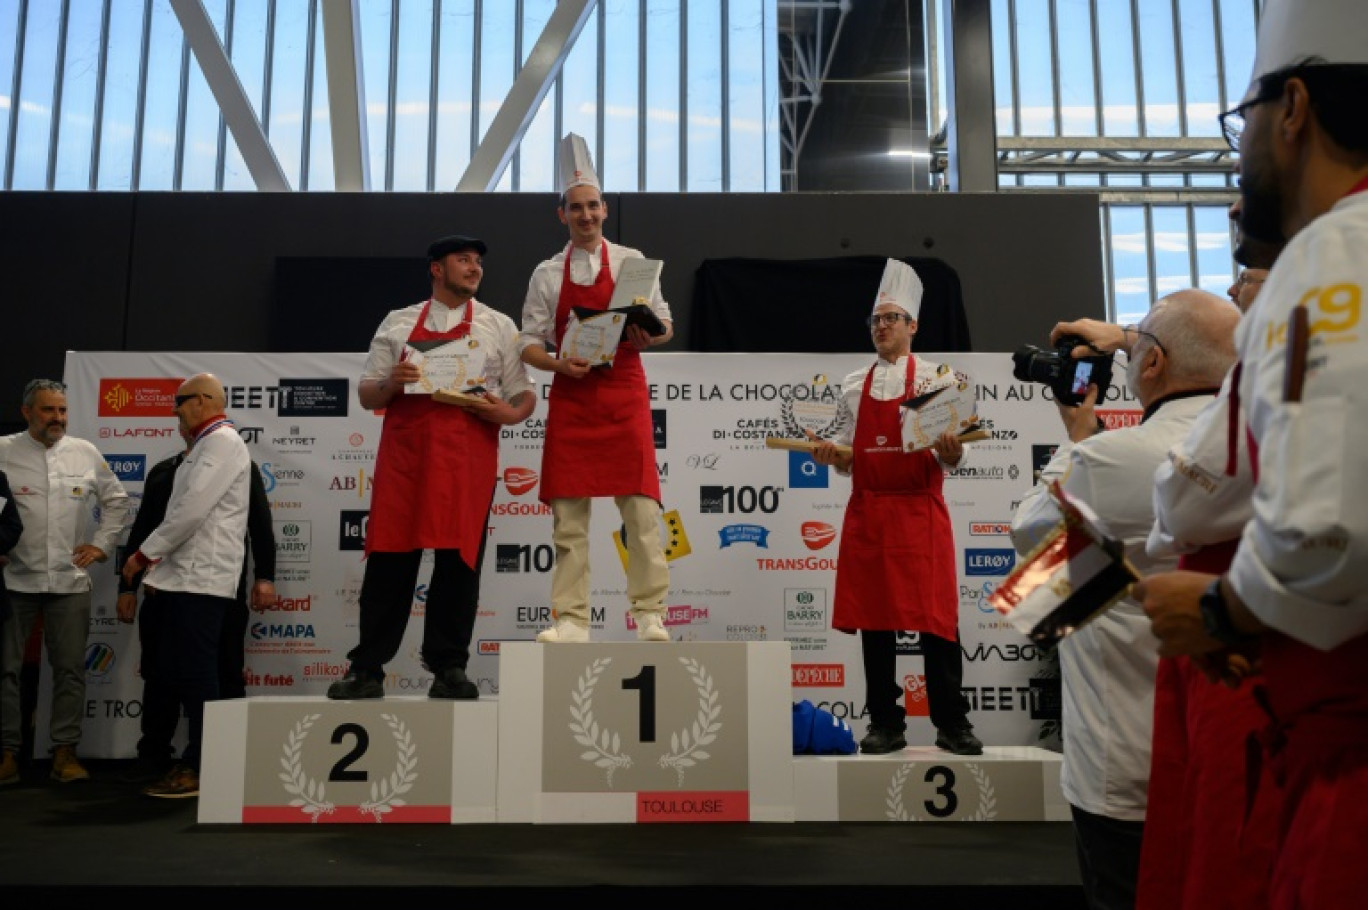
(819, 732)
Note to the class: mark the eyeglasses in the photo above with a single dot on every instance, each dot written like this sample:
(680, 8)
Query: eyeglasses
(886, 319)
(182, 399)
(1233, 120)
(1246, 278)
(1150, 335)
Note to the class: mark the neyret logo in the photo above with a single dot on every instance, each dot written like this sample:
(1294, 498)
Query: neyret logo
(520, 480)
(817, 534)
(154, 397)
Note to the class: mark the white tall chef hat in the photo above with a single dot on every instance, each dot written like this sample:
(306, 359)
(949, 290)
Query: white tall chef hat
(900, 287)
(576, 164)
(1336, 31)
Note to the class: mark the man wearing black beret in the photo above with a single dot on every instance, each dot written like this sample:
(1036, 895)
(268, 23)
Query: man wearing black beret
(435, 468)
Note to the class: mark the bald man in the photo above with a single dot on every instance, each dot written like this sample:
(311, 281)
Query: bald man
(1178, 355)
(193, 560)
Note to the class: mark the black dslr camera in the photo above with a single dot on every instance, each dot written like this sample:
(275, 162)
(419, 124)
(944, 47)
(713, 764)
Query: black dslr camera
(1067, 378)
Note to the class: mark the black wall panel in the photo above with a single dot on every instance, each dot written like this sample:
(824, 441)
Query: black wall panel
(232, 271)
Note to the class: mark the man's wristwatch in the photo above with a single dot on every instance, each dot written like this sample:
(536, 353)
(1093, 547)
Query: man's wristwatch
(1216, 617)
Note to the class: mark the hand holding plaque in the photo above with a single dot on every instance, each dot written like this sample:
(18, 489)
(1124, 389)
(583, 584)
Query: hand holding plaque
(950, 406)
(450, 366)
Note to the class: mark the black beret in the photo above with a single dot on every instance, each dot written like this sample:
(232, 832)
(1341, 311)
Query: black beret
(454, 243)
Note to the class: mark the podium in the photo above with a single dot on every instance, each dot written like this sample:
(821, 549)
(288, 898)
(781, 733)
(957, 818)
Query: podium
(611, 732)
(305, 759)
(1004, 784)
(637, 732)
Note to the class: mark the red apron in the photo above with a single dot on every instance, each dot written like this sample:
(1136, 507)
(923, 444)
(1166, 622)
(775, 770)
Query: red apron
(1202, 849)
(896, 567)
(435, 471)
(599, 436)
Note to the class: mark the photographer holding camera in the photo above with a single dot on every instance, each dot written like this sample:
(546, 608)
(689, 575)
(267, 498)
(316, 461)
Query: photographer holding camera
(1177, 357)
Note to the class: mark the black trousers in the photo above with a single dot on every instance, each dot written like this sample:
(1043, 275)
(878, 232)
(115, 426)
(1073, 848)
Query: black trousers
(944, 663)
(1108, 859)
(387, 600)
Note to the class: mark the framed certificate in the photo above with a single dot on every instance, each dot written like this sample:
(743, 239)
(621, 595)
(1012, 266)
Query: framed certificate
(594, 336)
(951, 406)
(450, 366)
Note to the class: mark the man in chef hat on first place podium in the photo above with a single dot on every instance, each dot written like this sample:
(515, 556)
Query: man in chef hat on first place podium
(599, 437)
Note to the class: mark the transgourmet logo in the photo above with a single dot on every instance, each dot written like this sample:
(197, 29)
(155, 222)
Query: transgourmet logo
(520, 480)
(817, 534)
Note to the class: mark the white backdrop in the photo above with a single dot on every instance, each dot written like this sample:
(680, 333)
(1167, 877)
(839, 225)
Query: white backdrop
(753, 533)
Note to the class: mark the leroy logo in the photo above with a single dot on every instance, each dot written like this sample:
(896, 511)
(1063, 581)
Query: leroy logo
(915, 702)
(519, 480)
(988, 562)
(817, 534)
(138, 397)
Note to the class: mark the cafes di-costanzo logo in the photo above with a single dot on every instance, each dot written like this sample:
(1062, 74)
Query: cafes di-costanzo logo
(813, 404)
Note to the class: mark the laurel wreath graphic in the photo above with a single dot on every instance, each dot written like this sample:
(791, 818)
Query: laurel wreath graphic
(604, 746)
(686, 745)
(896, 811)
(893, 800)
(385, 793)
(309, 797)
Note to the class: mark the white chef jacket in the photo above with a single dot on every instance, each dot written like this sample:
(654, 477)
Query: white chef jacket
(543, 290)
(1107, 666)
(889, 382)
(67, 496)
(505, 373)
(200, 544)
(1195, 503)
(1302, 564)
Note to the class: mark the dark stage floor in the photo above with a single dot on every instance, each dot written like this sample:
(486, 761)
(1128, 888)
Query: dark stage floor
(100, 840)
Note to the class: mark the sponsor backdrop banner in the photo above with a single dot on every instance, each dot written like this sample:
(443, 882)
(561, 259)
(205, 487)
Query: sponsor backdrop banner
(752, 533)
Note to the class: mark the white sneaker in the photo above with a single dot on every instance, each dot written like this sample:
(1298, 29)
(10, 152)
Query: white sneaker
(650, 627)
(563, 631)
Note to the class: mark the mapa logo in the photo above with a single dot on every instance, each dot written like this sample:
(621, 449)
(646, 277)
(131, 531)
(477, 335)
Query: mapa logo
(817, 534)
(989, 562)
(519, 480)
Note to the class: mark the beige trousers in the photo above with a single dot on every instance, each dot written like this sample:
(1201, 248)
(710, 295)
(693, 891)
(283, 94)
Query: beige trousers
(648, 575)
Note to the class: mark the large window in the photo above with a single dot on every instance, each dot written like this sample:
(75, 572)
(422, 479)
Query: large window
(1121, 97)
(1117, 97)
(672, 95)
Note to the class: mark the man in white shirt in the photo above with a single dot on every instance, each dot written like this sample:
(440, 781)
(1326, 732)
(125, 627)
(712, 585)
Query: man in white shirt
(1181, 350)
(193, 561)
(73, 509)
(1294, 594)
(434, 474)
(599, 437)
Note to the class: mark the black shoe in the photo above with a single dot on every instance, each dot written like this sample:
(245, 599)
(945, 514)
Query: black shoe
(356, 685)
(145, 770)
(959, 740)
(882, 740)
(452, 683)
